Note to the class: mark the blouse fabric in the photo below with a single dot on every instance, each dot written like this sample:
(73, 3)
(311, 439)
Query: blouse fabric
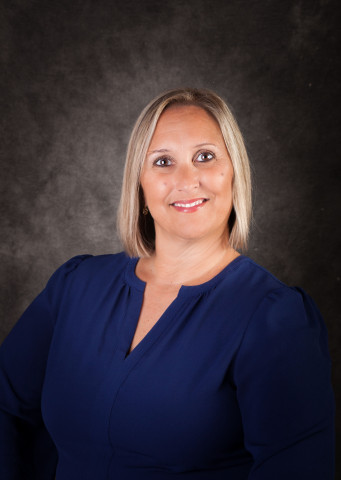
(232, 382)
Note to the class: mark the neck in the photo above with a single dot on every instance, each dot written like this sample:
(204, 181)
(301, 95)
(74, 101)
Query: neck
(186, 263)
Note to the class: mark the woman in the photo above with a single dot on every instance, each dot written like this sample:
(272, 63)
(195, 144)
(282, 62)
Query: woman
(180, 358)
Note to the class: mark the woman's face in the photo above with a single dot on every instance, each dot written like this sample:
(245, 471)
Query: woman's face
(187, 176)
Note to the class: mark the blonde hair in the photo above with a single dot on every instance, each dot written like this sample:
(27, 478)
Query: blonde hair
(137, 230)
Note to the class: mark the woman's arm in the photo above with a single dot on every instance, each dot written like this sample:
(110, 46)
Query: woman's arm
(282, 375)
(25, 446)
(26, 449)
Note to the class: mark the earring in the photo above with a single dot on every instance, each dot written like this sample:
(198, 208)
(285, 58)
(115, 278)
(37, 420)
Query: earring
(145, 210)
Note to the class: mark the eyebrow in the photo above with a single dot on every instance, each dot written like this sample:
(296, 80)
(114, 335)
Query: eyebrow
(204, 145)
(163, 150)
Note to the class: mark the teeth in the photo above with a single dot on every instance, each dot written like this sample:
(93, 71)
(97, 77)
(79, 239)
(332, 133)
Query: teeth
(188, 205)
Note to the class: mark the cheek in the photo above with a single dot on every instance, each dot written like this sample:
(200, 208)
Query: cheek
(220, 181)
(153, 189)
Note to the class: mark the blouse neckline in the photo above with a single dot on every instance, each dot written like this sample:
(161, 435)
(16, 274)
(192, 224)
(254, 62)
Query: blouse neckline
(188, 290)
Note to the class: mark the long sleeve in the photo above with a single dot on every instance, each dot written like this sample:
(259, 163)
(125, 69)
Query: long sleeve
(26, 449)
(282, 376)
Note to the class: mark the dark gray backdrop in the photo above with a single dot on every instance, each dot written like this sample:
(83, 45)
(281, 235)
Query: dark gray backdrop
(75, 75)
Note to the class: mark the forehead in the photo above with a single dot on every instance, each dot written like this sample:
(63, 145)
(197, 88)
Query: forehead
(186, 120)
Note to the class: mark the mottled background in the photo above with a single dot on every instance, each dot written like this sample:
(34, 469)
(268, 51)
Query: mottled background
(75, 74)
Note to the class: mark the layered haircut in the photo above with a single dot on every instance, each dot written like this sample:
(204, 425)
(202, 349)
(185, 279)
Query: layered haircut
(136, 230)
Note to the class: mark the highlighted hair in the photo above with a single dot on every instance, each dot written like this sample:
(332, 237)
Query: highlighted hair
(136, 230)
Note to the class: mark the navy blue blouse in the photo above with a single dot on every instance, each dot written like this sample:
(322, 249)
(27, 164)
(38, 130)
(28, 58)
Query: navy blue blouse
(232, 382)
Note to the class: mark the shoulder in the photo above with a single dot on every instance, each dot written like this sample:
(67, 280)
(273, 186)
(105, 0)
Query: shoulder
(254, 276)
(275, 299)
(283, 320)
(90, 264)
(257, 283)
(86, 271)
(244, 285)
(266, 307)
(273, 294)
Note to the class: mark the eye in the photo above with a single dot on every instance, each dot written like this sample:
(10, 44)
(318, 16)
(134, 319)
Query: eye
(163, 162)
(205, 157)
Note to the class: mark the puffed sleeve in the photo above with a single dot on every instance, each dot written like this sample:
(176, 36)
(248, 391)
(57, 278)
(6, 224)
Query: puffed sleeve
(282, 377)
(26, 450)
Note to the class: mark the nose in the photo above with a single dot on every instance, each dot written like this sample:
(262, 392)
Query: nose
(187, 177)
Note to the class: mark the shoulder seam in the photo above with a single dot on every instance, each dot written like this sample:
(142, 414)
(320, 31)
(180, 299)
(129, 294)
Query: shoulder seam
(249, 322)
(259, 267)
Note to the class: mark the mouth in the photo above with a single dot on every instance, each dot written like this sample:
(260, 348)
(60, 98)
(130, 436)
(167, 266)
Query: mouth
(189, 205)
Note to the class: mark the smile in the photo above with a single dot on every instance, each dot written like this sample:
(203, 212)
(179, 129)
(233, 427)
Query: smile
(189, 205)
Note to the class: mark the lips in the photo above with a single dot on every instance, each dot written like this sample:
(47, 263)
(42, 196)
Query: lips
(188, 206)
